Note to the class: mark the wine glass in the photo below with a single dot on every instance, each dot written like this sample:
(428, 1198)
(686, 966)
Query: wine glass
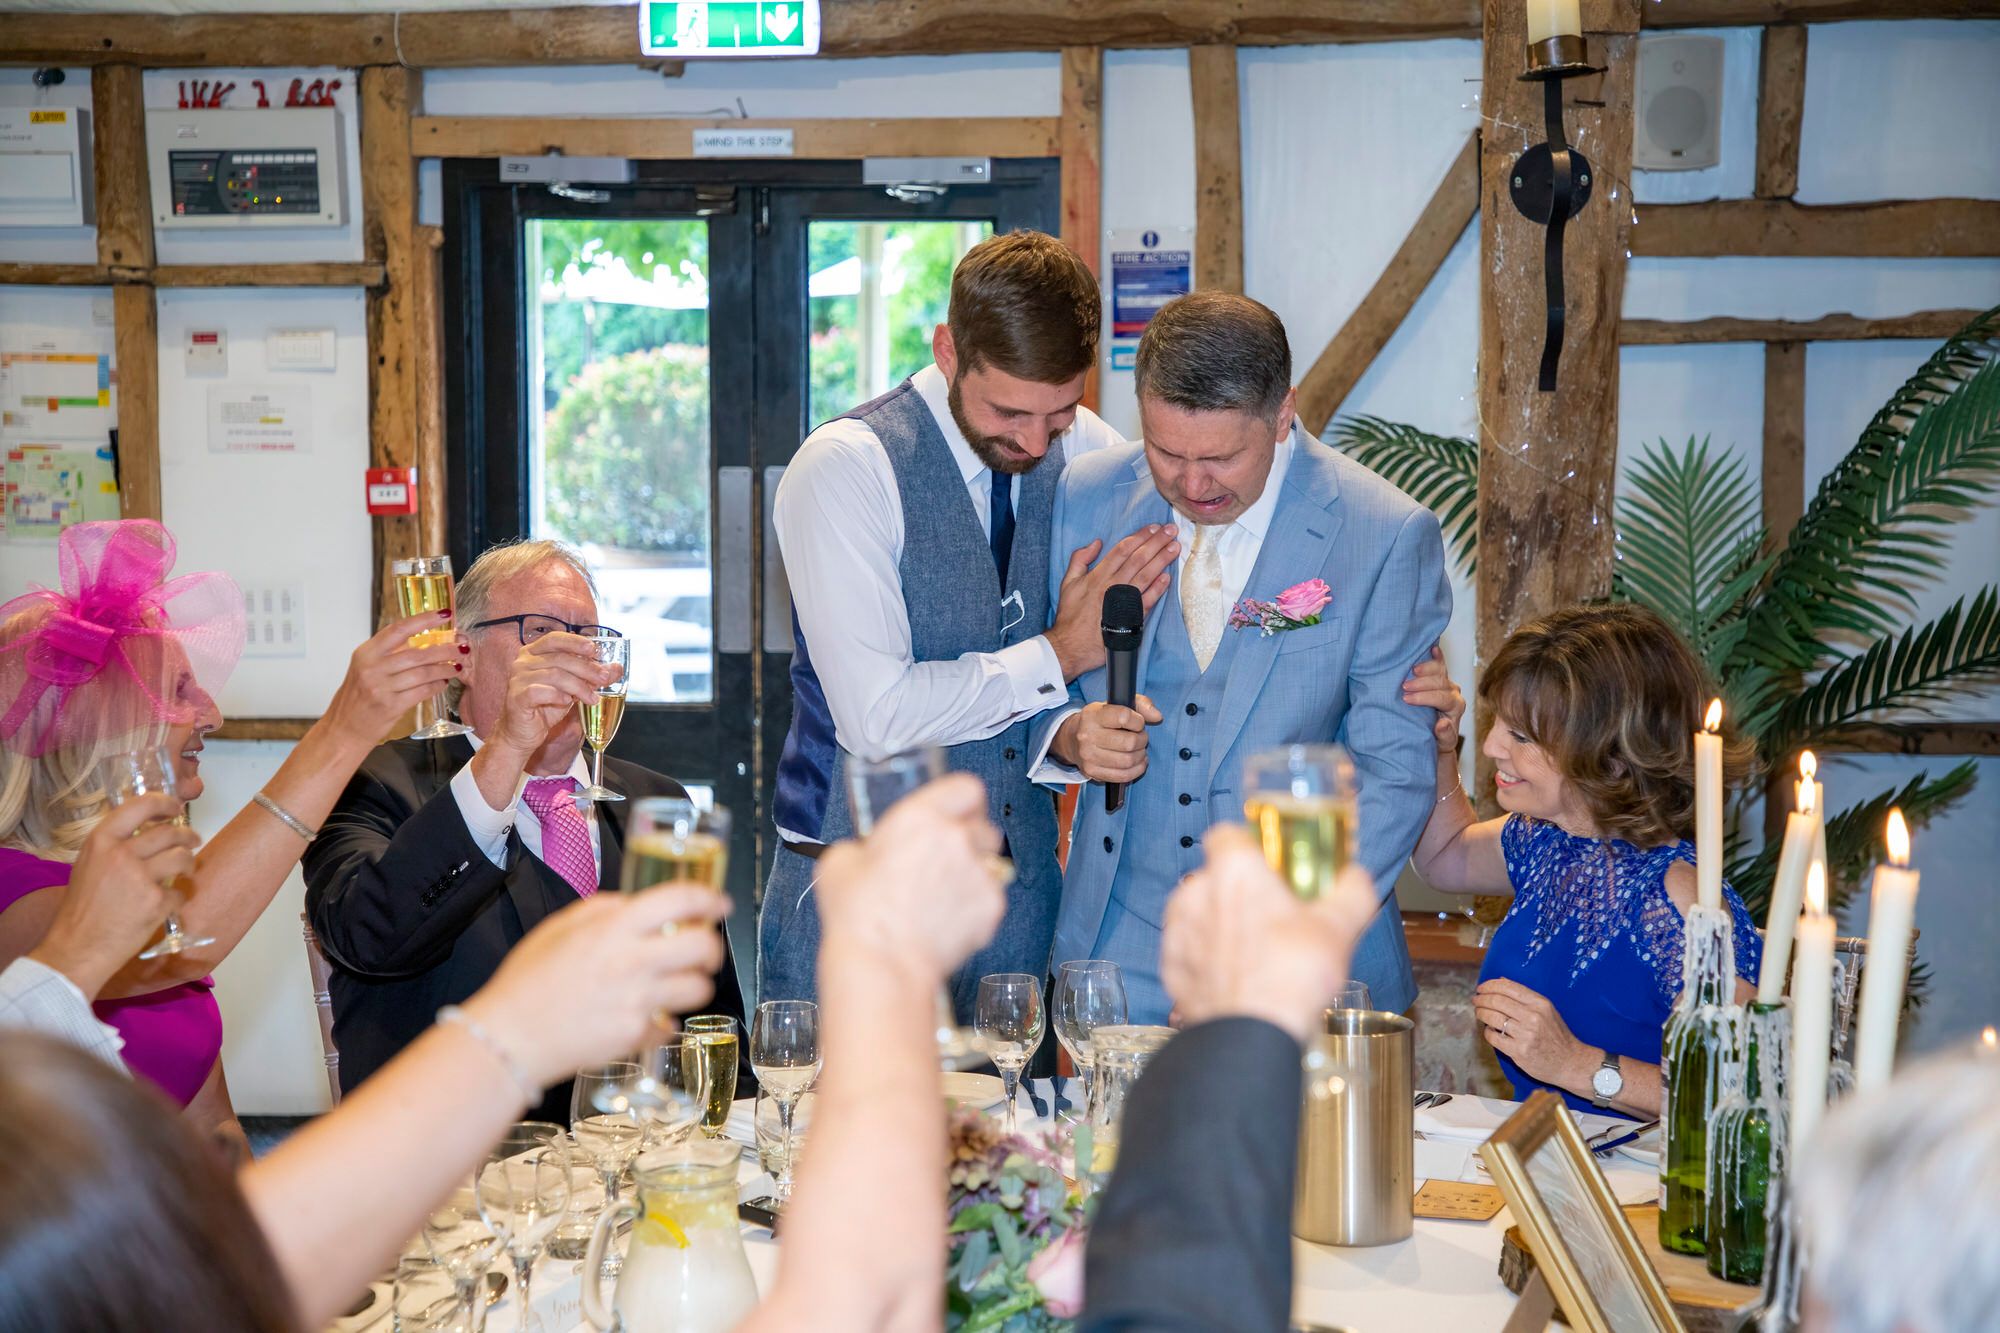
(522, 1192)
(602, 713)
(424, 583)
(672, 1095)
(462, 1247)
(873, 785)
(1009, 1020)
(1300, 800)
(719, 1039)
(1089, 994)
(607, 1126)
(145, 773)
(1351, 995)
(784, 1053)
(672, 840)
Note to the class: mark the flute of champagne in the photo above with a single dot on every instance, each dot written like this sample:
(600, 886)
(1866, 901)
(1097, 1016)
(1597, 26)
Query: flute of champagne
(142, 773)
(604, 710)
(424, 583)
(1300, 801)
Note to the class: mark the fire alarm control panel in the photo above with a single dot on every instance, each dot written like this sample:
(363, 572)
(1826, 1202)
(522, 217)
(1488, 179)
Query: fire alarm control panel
(276, 168)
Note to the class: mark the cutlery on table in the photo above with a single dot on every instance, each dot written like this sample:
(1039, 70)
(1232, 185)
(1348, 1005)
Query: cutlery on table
(1601, 1149)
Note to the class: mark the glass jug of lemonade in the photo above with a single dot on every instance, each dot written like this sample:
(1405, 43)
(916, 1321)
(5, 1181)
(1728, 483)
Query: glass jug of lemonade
(685, 1271)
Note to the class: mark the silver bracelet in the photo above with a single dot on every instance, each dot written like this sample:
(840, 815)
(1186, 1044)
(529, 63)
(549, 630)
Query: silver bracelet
(1455, 790)
(531, 1092)
(286, 817)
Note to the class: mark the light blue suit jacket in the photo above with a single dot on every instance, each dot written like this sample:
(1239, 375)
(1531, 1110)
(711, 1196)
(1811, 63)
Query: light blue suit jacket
(1340, 680)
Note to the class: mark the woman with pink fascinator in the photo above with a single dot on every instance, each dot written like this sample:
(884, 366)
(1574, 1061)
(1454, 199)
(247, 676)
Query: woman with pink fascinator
(124, 658)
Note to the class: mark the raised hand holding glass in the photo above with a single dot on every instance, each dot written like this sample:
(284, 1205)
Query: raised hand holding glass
(424, 583)
(602, 713)
(144, 773)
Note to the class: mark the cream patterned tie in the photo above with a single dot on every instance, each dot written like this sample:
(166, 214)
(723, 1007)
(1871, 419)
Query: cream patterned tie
(1201, 594)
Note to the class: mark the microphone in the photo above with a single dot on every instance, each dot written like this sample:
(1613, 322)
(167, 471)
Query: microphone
(1124, 624)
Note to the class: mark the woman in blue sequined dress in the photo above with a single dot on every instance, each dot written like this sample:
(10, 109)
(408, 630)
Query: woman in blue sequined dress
(1593, 714)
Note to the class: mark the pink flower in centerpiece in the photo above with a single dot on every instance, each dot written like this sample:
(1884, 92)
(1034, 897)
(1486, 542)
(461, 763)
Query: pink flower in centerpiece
(1057, 1273)
(1303, 601)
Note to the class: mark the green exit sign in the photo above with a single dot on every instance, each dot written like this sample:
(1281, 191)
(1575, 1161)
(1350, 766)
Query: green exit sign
(729, 27)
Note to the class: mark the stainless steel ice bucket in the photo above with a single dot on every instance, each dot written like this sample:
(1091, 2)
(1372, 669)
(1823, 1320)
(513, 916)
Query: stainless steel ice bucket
(1356, 1159)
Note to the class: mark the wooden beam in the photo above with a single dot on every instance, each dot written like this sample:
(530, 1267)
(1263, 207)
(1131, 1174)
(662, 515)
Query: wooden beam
(1938, 324)
(1218, 169)
(673, 140)
(1908, 228)
(388, 237)
(1368, 330)
(1547, 461)
(1784, 500)
(426, 295)
(124, 196)
(1781, 94)
(1080, 145)
(54, 275)
(269, 275)
(1940, 738)
(135, 333)
(264, 728)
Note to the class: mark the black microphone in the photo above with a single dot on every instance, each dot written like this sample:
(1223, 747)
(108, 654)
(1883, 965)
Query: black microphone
(1124, 624)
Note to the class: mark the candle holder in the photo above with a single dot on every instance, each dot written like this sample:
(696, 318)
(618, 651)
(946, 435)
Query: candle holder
(1550, 182)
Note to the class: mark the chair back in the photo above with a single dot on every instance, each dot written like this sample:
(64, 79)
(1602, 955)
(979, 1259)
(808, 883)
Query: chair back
(322, 984)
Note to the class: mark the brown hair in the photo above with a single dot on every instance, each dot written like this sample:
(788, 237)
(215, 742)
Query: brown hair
(1024, 304)
(113, 1214)
(1215, 352)
(1614, 696)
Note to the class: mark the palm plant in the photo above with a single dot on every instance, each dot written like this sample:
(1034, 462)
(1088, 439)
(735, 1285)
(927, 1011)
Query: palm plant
(1812, 639)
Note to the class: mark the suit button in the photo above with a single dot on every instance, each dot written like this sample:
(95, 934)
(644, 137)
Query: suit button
(1107, 844)
(1186, 753)
(1186, 841)
(1193, 709)
(1186, 799)
(1008, 753)
(1006, 812)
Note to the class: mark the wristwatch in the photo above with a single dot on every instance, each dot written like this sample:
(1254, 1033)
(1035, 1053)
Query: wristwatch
(1607, 1082)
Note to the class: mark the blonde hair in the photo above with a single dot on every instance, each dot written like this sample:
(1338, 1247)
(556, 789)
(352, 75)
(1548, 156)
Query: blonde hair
(495, 565)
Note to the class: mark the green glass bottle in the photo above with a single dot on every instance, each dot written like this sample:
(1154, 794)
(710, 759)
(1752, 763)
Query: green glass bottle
(1690, 1066)
(1746, 1149)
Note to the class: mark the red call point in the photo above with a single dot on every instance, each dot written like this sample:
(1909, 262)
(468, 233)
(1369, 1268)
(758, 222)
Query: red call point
(392, 490)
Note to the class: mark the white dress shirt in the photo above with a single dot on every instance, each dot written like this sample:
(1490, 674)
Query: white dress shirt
(1238, 545)
(489, 827)
(839, 518)
(37, 997)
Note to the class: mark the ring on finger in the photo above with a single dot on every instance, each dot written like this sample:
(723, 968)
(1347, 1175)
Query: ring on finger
(1503, 1025)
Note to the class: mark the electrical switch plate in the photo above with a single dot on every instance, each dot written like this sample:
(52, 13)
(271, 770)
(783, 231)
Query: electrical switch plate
(299, 349)
(276, 619)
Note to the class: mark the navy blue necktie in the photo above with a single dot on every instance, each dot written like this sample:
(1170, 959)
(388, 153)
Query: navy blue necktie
(1000, 528)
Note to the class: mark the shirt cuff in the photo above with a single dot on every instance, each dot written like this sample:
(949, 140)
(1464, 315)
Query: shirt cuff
(489, 827)
(1036, 674)
(113, 1040)
(1048, 772)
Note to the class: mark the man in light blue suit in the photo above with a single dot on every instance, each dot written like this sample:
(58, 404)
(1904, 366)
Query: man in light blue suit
(1260, 506)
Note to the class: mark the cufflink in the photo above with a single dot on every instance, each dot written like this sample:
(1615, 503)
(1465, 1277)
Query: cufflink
(1045, 688)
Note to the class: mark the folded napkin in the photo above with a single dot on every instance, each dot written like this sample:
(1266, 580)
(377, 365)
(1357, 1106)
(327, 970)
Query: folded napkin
(1473, 1119)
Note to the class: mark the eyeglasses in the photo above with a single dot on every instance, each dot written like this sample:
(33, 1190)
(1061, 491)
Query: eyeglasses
(533, 627)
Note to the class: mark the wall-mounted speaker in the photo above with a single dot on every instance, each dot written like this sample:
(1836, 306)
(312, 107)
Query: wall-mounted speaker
(1679, 101)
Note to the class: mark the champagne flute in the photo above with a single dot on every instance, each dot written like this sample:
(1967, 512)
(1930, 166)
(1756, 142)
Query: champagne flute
(604, 711)
(1300, 800)
(672, 840)
(1089, 994)
(1009, 1019)
(462, 1247)
(522, 1193)
(785, 1054)
(610, 1137)
(718, 1039)
(144, 773)
(873, 785)
(424, 583)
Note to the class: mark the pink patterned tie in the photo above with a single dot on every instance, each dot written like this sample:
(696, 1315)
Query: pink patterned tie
(565, 832)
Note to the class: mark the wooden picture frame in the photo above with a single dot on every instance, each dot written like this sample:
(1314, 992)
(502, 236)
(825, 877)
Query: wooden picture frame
(1583, 1245)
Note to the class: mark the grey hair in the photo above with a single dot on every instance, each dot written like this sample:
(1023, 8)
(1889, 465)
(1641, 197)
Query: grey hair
(1215, 352)
(1899, 1201)
(497, 564)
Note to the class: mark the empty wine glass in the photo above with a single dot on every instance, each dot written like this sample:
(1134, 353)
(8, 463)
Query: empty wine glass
(674, 1089)
(463, 1247)
(145, 773)
(607, 1126)
(784, 1052)
(1009, 1020)
(604, 710)
(1089, 994)
(1351, 995)
(522, 1193)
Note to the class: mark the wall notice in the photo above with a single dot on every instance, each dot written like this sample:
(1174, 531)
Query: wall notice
(1149, 267)
(259, 419)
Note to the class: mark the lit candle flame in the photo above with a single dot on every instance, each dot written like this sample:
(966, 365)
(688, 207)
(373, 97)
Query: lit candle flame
(1712, 720)
(1899, 839)
(1816, 888)
(1990, 1038)
(1808, 765)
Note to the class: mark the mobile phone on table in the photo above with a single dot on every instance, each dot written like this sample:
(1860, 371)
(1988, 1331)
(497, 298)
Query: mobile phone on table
(762, 1211)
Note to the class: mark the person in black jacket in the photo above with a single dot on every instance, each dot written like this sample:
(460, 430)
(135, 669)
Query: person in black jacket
(442, 854)
(1194, 1230)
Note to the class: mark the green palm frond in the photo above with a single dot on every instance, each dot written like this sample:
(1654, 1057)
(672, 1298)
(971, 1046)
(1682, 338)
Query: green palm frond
(1438, 471)
(1922, 665)
(1689, 544)
(1854, 837)
(1872, 527)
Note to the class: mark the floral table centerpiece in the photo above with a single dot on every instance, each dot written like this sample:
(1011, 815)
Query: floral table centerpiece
(1017, 1232)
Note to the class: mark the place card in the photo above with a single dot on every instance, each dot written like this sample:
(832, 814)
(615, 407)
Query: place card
(1458, 1202)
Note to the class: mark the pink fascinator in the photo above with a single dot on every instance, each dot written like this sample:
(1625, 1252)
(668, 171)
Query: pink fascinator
(109, 652)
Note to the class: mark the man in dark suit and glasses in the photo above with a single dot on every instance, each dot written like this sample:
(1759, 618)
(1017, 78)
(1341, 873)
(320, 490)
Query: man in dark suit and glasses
(442, 854)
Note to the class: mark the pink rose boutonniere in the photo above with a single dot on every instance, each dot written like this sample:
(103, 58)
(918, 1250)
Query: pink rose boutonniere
(1295, 608)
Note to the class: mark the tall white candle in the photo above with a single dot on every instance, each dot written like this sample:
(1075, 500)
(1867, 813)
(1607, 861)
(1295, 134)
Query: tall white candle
(1801, 830)
(1812, 1012)
(1708, 850)
(1553, 18)
(1891, 917)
